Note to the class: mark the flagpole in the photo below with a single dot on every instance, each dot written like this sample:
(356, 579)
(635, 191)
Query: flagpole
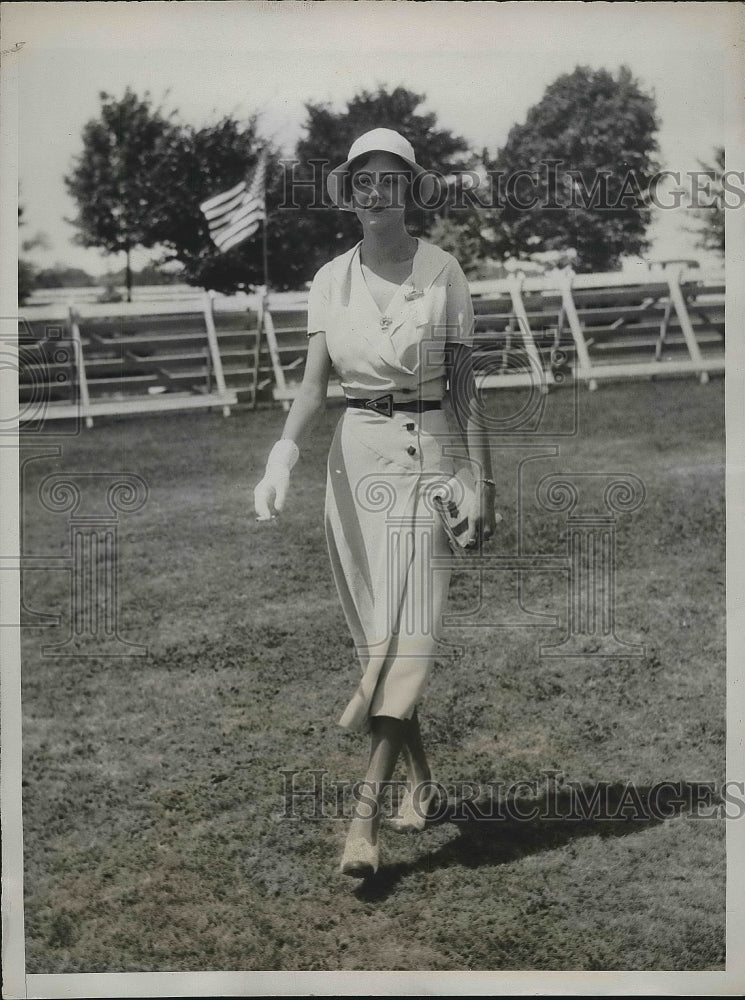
(261, 332)
(233, 216)
(264, 228)
(264, 248)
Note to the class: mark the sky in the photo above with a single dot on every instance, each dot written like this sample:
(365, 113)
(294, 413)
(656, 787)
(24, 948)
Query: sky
(480, 65)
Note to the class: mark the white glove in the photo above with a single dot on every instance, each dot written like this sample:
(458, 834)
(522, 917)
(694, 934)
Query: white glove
(276, 479)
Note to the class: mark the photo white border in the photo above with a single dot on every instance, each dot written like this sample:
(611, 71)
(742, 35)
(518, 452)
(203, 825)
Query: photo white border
(735, 495)
(13, 937)
(171, 984)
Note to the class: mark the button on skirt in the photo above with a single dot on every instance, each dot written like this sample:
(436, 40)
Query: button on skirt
(389, 553)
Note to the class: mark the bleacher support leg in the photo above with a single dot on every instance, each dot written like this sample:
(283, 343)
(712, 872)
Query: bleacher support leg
(678, 300)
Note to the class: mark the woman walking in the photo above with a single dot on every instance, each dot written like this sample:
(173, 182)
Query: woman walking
(393, 315)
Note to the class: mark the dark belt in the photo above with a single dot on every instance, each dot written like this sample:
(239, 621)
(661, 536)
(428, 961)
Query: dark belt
(385, 405)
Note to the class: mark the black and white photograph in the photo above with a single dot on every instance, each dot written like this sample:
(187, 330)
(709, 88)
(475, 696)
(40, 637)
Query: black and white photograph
(372, 498)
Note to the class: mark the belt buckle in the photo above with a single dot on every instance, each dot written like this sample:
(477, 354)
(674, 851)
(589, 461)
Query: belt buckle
(382, 405)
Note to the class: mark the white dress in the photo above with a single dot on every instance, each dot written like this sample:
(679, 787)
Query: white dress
(381, 530)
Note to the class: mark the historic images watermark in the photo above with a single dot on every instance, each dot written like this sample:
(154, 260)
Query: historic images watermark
(93, 502)
(585, 507)
(46, 360)
(548, 184)
(588, 564)
(313, 794)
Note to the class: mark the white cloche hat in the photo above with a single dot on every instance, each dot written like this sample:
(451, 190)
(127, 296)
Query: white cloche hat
(384, 140)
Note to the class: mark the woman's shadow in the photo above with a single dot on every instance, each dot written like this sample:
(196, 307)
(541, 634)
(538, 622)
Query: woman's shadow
(498, 831)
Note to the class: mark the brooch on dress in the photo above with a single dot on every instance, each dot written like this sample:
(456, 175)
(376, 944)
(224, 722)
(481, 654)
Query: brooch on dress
(385, 322)
(413, 294)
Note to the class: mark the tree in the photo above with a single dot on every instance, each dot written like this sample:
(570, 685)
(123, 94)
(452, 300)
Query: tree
(62, 276)
(463, 239)
(27, 273)
(26, 270)
(201, 162)
(152, 274)
(576, 173)
(710, 219)
(118, 179)
(26, 280)
(323, 233)
(160, 209)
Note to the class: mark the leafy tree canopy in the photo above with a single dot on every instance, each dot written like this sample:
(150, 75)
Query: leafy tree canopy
(463, 239)
(118, 179)
(62, 276)
(27, 272)
(591, 129)
(710, 220)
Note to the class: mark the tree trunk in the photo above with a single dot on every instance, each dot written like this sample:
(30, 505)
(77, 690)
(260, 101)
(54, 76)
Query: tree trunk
(128, 277)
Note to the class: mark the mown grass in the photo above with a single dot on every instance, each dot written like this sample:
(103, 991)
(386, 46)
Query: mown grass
(153, 798)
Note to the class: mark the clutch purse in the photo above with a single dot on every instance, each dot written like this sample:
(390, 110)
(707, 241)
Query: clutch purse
(452, 501)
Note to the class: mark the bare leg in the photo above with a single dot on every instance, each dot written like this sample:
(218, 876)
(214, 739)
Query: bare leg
(417, 765)
(414, 805)
(387, 736)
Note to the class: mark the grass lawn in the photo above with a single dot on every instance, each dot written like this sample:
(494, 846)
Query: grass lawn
(153, 799)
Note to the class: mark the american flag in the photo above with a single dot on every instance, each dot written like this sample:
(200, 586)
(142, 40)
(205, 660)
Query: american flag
(234, 215)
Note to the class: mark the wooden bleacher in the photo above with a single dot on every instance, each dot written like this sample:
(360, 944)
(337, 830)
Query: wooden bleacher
(605, 326)
(130, 358)
(520, 339)
(237, 322)
(285, 324)
(223, 351)
(543, 330)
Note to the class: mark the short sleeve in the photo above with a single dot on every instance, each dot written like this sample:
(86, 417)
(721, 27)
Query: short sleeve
(318, 302)
(460, 320)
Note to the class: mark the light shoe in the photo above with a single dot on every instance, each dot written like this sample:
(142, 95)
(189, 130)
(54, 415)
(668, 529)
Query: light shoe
(411, 818)
(360, 859)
